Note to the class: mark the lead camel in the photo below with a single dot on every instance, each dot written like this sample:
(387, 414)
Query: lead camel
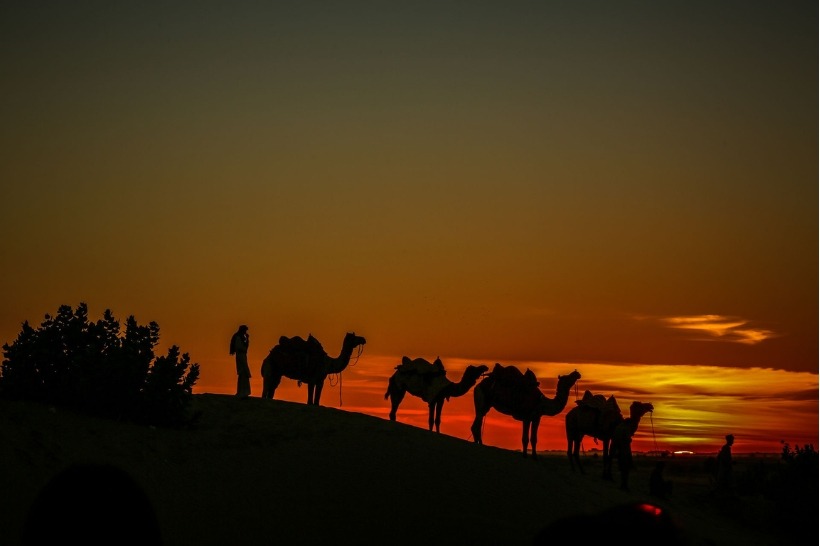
(306, 362)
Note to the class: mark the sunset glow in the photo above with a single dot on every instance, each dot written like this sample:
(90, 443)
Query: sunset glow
(626, 190)
(722, 328)
(695, 406)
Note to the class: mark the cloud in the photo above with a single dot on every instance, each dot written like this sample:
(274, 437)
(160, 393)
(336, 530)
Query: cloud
(720, 328)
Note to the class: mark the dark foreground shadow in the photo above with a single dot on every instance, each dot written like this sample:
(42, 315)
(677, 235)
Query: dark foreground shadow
(636, 524)
(91, 504)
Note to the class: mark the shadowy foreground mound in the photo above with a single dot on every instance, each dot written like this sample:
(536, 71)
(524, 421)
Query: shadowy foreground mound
(259, 471)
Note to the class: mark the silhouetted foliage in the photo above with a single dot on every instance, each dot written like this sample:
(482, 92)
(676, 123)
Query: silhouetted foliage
(97, 368)
(795, 491)
(790, 487)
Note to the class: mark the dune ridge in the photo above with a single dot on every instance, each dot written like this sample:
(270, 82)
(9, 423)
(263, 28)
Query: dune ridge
(259, 471)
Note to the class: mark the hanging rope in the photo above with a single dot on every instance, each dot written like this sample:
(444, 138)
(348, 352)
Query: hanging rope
(339, 375)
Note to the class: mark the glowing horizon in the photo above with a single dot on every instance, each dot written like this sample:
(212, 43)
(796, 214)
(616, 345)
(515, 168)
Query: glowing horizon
(695, 406)
(631, 190)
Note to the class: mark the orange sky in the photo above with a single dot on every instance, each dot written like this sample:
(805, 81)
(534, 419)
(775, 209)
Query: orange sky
(695, 406)
(625, 189)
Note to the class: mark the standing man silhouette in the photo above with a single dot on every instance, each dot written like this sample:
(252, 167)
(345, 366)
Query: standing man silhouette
(724, 466)
(239, 347)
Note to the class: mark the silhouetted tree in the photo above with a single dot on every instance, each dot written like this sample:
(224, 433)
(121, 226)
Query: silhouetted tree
(96, 367)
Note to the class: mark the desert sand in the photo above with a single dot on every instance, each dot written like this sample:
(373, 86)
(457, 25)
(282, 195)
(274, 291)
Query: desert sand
(259, 471)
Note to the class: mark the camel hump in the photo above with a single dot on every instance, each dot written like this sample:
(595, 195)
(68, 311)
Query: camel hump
(514, 390)
(612, 405)
(314, 343)
(311, 345)
(421, 366)
(512, 376)
(530, 379)
(595, 401)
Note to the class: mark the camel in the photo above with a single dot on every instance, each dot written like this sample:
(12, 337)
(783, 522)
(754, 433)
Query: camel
(594, 416)
(428, 382)
(306, 362)
(515, 394)
(621, 448)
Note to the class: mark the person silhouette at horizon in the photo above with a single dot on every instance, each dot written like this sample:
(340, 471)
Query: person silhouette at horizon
(724, 467)
(240, 341)
(659, 486)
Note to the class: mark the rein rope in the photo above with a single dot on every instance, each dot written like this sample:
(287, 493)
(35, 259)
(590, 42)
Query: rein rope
(350, 364)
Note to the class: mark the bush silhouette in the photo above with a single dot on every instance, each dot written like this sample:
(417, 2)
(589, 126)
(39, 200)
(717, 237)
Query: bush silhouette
(97, 368)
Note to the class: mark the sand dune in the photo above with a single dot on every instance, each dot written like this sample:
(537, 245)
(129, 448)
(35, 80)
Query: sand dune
(275, 472)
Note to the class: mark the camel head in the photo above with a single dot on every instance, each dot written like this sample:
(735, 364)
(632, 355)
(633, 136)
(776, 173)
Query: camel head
(352, 340)
(565, 382)
(474, 372)
(639, 409)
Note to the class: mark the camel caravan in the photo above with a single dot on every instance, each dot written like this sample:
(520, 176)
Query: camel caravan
(504, 388)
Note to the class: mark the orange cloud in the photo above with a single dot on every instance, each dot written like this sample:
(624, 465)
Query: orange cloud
(720, 328)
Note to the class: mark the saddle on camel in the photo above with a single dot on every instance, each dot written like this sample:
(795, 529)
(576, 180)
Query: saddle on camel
(308, 352)
(433, 375)
(607, 410)
(513, 392)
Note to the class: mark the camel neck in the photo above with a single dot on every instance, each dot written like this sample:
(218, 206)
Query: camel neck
(338, 364)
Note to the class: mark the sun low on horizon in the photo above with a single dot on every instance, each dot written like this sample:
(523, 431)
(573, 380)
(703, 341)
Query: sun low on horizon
(626, 190)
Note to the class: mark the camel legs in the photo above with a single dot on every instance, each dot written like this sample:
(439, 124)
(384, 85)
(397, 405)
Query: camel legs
(624, 455)
(481, 409)
(269, 384)
(529, 436)
(435, 414)
(315, 392)
(607, 460)
(476, 427)
(573, 453)
(396, 396)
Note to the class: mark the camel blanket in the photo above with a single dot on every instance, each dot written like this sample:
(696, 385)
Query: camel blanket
(421, 366)
(513, 392)
(422, 378)
(296, 344)
(305, 354)
(599, 402)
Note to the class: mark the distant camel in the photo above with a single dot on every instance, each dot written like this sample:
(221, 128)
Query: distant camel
(306, 362)
(515, 394)
(593, 416)
(621, 448)
(428, 382)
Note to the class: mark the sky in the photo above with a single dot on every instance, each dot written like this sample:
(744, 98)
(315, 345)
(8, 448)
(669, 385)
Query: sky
(625, 188)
